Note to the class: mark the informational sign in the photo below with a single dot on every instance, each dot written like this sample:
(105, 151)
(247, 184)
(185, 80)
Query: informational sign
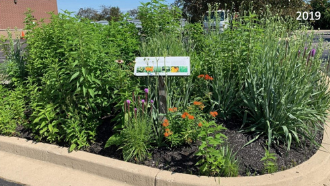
(162, 66)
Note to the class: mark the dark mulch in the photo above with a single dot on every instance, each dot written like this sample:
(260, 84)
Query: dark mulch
(183, 160)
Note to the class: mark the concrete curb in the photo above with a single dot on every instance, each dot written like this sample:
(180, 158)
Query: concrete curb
(315, 171)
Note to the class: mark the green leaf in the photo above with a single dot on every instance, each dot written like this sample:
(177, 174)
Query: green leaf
(72, 147)
(115, 139)
(74, 76)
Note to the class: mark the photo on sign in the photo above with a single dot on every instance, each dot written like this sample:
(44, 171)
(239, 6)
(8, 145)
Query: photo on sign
(175, 69)
(168, 69)
(183, 69)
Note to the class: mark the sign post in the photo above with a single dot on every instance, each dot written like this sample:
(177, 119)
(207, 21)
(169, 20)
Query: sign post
(162, 66)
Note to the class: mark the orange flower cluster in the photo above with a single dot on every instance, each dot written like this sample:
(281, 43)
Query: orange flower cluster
(174, 109)
(214, 114)
(206, 76)
(166, 123)
(185, 114)
(149, 69)
(167, 130)
(200, 124)
(200, 104)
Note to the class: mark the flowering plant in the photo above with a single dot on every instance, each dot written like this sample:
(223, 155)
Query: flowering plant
(135, 136)
(183, 127)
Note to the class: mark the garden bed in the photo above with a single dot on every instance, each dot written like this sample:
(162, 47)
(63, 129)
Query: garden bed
(183, 159)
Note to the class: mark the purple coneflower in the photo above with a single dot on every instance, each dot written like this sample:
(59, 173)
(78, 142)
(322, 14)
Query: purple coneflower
(119, 61)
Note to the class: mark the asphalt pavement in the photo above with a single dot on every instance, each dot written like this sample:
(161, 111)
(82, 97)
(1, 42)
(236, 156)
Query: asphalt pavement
(7, 183)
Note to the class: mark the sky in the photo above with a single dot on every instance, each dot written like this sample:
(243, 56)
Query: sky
(124, 5)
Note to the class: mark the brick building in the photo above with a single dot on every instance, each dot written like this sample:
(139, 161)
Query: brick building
(12, 11)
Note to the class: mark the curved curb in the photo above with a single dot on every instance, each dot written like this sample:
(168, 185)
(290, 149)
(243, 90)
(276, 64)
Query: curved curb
(315, 171)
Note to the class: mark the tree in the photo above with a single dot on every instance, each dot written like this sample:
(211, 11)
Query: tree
(158, 17)
(88, 13)
(107, 13)
(133, 13)
(194, 10)
(115, 14)
(322, 6)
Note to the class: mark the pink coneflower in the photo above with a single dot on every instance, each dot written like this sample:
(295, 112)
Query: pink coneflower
(119, 61)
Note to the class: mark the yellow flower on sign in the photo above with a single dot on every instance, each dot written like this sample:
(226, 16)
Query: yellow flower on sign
(174, 69)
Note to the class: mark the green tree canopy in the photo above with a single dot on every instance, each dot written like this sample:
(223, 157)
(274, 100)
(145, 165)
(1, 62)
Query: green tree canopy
(322, 6)
(194, 10)
(108, 13)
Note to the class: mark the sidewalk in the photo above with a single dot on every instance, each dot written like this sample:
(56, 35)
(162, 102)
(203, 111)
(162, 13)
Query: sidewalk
(27, 171)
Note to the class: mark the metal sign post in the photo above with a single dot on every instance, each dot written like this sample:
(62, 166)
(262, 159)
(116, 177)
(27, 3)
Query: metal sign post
(162, 66)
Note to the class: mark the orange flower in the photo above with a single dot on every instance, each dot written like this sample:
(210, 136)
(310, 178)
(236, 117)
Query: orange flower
(198, 103)
(184, 115)
(200, 76)
(166, 134)
(190, 116)
(166, 123)
(174, 109)
(167, 130)
(200, 124)
(214, 114)
(207, 77)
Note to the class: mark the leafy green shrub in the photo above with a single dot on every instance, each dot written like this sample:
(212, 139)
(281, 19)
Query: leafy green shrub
(74, 67)
(158, 17)
(12, 108)
(212, 161)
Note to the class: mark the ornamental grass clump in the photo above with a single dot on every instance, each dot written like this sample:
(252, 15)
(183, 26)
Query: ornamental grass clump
(285, 95)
